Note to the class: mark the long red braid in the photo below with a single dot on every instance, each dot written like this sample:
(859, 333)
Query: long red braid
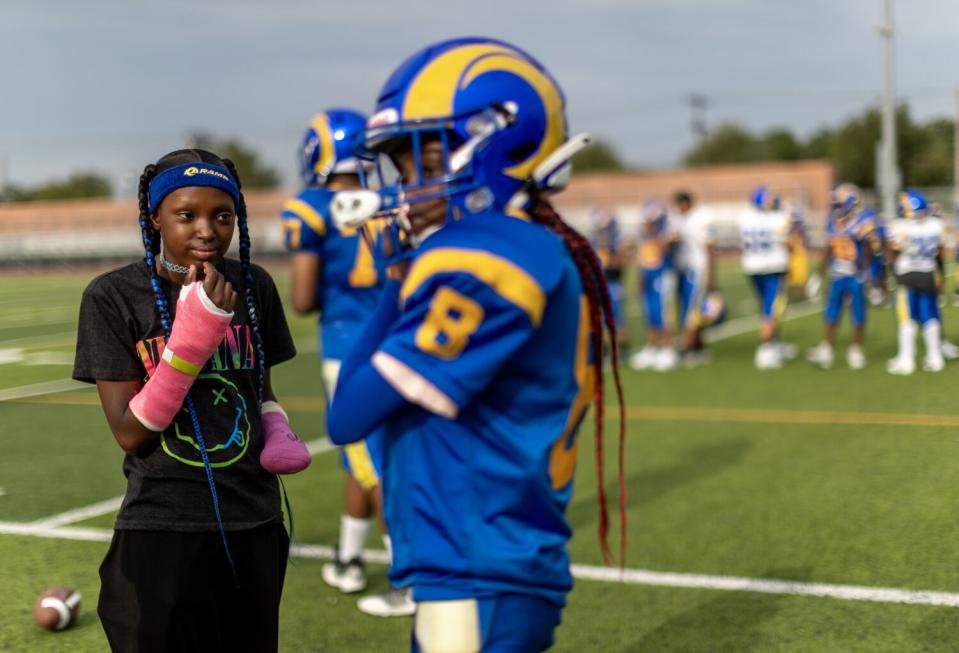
(600, 314)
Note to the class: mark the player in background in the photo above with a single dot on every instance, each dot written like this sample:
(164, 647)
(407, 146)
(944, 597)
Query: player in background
(657, 279)
(916, 249)
(606, 239)
(334, 272)
(798, 274)
(695, 270)
(484, 354)
(764, 230)
(851, 244)
(878, 274)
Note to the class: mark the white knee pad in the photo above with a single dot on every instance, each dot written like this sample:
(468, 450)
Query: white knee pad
(447, 626)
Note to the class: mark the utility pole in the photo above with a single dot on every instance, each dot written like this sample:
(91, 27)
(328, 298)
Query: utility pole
(698, 104)
(955, 158)
(889, 177)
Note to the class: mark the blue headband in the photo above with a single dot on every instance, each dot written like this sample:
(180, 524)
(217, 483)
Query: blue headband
(192, 174)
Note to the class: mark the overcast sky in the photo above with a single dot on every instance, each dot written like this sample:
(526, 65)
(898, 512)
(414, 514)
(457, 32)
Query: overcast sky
(112, 85)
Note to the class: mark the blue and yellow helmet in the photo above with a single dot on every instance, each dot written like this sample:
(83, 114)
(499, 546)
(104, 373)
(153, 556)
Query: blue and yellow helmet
(764, 200)
(911, 204)
(496, 110)
(845, 199)
(329, 145)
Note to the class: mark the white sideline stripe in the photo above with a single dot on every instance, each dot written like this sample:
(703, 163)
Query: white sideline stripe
(749, 323)
(602, 574)
(37, 389)
(315, 447)
(79, 514)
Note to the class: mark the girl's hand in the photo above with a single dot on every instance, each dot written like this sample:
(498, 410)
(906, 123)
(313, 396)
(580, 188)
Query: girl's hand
(218, 289)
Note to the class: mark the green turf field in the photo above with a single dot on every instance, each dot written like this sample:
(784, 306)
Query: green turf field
(834, 477)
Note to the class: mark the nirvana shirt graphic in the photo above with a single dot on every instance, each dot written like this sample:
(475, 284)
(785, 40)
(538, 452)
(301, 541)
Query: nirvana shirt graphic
(225, 410)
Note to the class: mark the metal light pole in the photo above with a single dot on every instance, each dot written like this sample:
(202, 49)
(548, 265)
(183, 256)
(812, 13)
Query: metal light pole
(889, 178)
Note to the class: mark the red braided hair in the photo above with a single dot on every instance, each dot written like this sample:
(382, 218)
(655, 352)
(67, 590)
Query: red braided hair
(600, 315)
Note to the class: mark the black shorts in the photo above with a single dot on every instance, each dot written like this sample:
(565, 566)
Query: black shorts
(920, 281)
(167, 591)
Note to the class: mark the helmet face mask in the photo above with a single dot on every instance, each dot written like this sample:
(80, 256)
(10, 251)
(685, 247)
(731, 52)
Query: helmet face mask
(844, 201)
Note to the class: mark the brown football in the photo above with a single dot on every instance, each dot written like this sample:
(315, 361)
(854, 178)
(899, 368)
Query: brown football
(56, 608)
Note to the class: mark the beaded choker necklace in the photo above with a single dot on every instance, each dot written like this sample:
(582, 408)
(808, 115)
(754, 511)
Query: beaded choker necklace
(173, 267)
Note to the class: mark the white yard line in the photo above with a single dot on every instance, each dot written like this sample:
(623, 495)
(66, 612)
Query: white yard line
(590, 572)
(749, 323)
(38, 389)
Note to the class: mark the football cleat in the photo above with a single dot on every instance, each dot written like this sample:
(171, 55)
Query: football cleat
(392, 603)
(767, 357)
(666, 359)
(643, 359)
(348, 577)
(901, 366)
(855, 358)
(821, 355)
(933, 363)
(949, 350)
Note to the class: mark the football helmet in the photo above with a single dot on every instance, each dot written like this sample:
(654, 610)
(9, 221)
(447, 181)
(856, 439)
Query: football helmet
(845, 199)
(328, 145)
(497, 112)
(713, 311)
(911, 204)
(764, 200)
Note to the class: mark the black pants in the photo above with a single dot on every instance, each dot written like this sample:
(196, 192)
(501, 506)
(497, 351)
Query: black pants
(164, 591)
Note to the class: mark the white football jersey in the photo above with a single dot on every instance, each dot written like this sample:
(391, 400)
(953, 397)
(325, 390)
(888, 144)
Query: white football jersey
(764, 236)
(918, 243)
(696, 231)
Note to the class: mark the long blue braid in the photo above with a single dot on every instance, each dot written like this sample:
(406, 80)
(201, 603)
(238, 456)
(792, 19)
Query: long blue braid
(243, 224)
(152, 247)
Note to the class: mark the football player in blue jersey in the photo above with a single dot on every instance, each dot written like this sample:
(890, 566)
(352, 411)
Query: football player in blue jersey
(334, 272)
(657, 280)
(606, 239)
(852, 243)
(482, 355)
(878, 271)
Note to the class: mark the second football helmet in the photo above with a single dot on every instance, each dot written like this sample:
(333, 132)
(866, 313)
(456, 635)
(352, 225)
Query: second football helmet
(328, 146)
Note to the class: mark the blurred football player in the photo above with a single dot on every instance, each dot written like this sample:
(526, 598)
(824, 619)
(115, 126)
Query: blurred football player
(916, 248)
(483, 356)
(878, 285)
(851, 244)
(333, 271)
(606, 240)
(695, 270)
(657, 280)
(764, 231)
(798, 274)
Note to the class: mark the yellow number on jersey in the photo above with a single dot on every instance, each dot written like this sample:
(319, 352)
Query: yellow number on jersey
(844, 248)
(363, 274)
(451, 320)
(293, 229)
(562, 457)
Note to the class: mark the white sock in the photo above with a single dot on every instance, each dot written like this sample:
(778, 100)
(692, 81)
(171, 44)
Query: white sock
(931, 333)
(388, 545)
(907, 340)
(353, 532)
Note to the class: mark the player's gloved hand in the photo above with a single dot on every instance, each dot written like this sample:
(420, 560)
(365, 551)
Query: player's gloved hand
(283, 452)
(813, 286)
(198, 328)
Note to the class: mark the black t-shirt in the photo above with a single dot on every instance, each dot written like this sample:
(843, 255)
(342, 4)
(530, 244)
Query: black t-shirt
(120, 338)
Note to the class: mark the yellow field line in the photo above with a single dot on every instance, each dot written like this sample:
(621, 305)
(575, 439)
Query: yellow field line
(654, 413)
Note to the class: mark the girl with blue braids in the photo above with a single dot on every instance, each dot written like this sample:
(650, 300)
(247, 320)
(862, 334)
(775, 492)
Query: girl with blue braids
(180, 346)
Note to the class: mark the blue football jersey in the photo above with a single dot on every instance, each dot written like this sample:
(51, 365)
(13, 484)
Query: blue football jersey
(491, 349)
(849, 241)
(352, 276)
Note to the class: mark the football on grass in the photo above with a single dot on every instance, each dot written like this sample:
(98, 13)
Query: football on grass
(56, 608)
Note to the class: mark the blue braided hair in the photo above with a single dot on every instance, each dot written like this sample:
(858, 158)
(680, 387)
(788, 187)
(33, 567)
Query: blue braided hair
(151, 245)
(243, 224)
